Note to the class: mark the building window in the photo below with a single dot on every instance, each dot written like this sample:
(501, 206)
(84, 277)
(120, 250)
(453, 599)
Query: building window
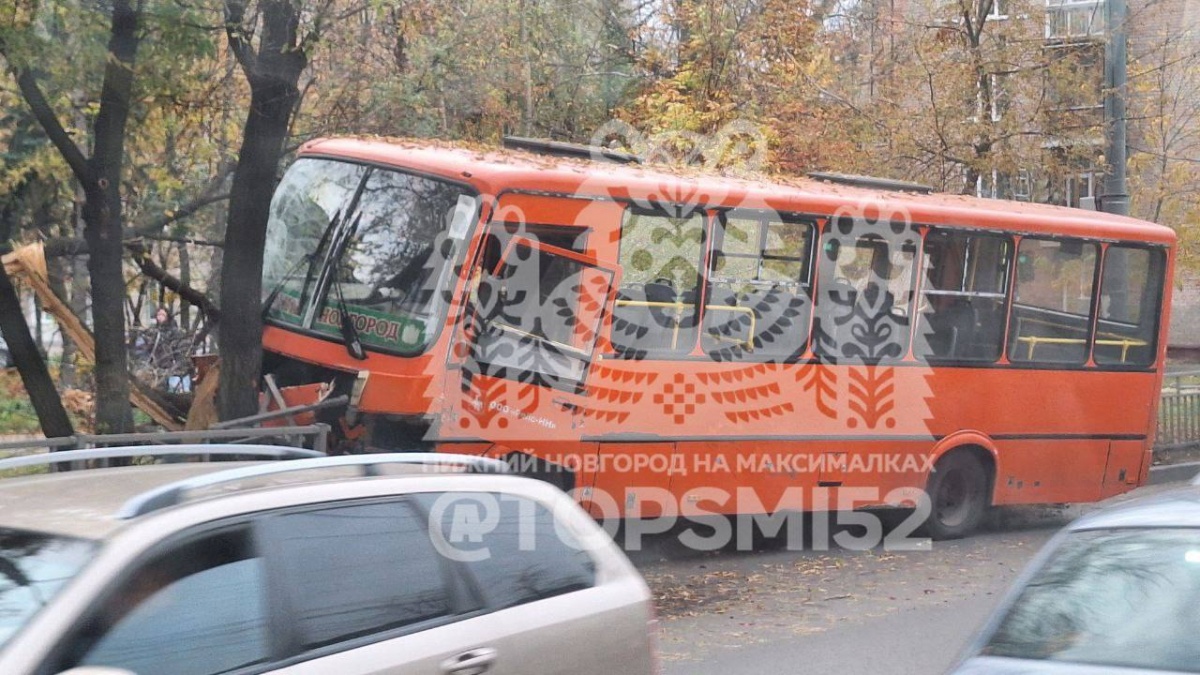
(1078, 188)
(1066, 19)
(1023, 186)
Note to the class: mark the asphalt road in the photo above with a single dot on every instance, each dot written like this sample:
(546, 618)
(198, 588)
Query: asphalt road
(802, 611)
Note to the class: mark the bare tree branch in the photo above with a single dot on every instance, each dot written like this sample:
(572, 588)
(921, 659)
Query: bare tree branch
(143, 259)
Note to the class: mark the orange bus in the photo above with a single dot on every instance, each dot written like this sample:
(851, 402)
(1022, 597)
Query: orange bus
(735, 345)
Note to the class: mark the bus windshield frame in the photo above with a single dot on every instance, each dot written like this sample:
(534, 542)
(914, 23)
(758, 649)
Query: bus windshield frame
(378, 242)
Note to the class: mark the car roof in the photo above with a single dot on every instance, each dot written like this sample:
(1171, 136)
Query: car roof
(496, 170)
(1175, 508)
(85, 504)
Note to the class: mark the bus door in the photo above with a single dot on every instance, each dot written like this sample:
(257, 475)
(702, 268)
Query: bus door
(518, 368)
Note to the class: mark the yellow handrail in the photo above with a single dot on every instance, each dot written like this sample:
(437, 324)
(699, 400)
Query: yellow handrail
(679, 306)
(1124, 343)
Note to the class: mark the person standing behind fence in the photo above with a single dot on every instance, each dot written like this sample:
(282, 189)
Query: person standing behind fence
(168, 352)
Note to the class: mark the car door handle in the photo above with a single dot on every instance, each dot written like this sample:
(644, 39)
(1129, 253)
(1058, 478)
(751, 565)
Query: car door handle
(474, 662)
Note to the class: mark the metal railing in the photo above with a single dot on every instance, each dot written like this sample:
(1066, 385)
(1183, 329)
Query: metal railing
(318, 432)
(1179, 409)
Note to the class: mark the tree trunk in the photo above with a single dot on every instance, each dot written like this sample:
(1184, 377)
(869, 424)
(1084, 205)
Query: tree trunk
(30, 365)
(240, 339)
(273, 74)
(103, 217)
(185, 278)
(76, 297)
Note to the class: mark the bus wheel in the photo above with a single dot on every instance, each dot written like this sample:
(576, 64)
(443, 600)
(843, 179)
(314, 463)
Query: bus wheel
(958, 494)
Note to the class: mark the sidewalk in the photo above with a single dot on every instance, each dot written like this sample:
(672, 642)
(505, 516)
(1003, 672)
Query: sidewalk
(1171, 473)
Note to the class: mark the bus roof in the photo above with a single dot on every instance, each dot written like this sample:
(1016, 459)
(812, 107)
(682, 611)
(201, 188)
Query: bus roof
(493, 170)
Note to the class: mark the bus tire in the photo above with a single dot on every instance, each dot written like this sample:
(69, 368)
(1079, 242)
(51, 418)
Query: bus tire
(958, 495)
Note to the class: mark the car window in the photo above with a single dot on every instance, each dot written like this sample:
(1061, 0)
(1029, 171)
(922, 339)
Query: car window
(511, 546)
(1115, 598)
(198, 609)
(357, 570)
(34, 566)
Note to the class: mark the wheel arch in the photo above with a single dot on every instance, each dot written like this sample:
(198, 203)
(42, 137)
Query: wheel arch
(976, 443)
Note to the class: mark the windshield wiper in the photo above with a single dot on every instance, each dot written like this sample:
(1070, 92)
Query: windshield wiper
(307, 258)
(350, 336)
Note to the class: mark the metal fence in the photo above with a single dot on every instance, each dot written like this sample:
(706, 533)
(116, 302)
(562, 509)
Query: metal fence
(1179, 411)
(319, 433)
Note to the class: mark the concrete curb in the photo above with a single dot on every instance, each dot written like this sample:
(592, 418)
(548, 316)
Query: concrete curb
(1172, 473)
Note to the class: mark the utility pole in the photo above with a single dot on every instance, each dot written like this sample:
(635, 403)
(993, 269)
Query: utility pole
(1115, 299)
(1116, 197)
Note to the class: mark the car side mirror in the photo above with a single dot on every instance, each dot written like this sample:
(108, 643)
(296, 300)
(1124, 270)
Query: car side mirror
(97, 670)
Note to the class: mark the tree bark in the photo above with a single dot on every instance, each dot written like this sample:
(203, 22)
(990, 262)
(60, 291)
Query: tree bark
(103, 217)
(273, 73)
(30, 365)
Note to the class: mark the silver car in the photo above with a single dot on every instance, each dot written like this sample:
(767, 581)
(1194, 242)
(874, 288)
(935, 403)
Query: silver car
(383, 564)
(1117, 591)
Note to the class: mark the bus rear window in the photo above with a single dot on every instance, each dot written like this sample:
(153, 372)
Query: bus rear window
(1130, 289)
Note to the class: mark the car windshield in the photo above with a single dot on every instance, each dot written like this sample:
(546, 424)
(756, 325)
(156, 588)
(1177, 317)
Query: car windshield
(380, 240)
(33, 568)
(1111, 597)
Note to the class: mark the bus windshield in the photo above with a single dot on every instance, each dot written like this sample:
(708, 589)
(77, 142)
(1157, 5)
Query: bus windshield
(373, 241)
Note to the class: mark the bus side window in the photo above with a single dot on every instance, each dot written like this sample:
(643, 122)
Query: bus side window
(963, 295)
(865, 293)
(658, 300)
(1052, 306)
(1130, 288)
(759, 296)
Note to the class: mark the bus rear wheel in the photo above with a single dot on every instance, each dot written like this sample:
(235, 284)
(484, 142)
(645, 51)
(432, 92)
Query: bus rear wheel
(958, 494)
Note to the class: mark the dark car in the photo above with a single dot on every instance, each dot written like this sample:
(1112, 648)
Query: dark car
(1117, 591)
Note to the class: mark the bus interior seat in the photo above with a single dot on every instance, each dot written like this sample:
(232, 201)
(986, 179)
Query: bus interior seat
(835, 301)
(778, 315)
(631, 320)
(725, 328)
(951, 329)
(657, 292)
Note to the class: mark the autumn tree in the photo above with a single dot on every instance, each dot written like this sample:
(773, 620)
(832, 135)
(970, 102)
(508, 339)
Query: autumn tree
(99, 174)
(271, 47)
